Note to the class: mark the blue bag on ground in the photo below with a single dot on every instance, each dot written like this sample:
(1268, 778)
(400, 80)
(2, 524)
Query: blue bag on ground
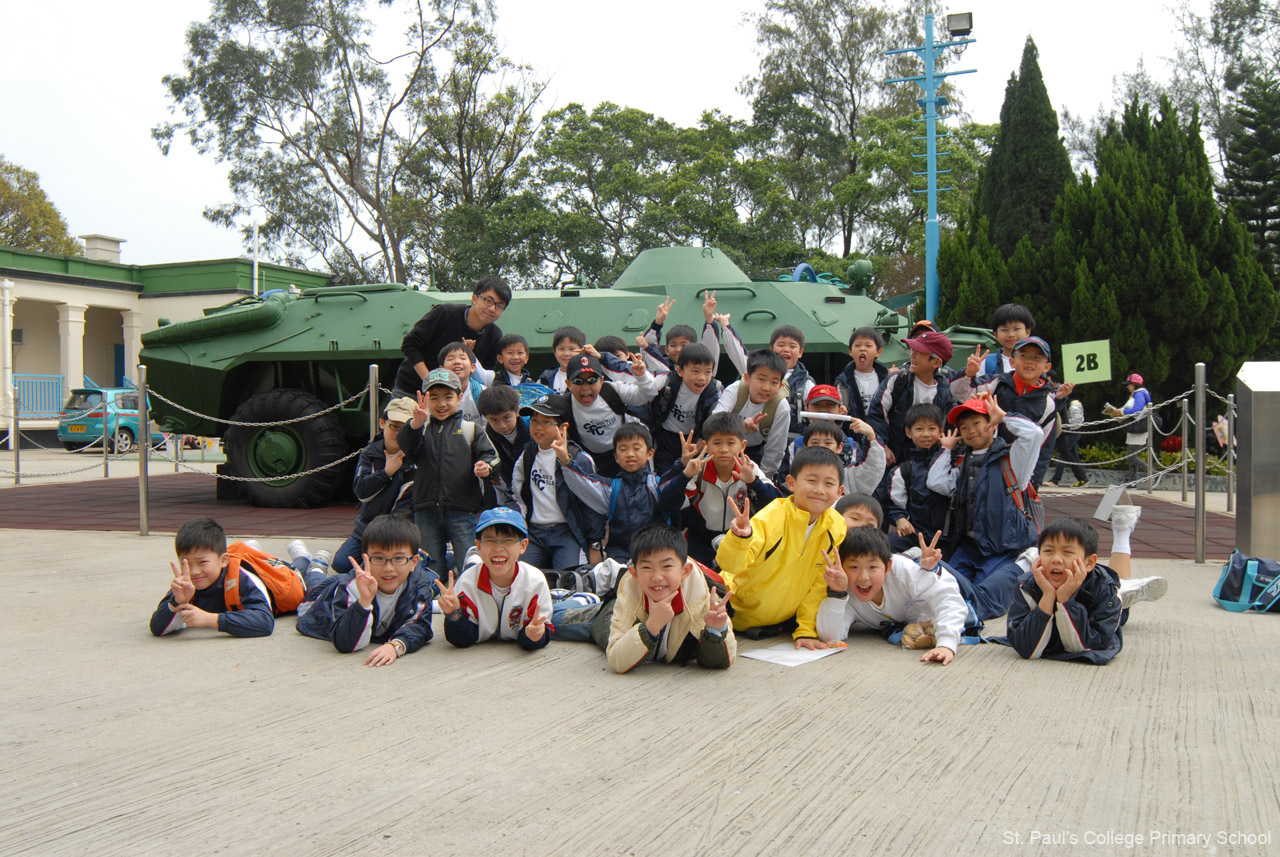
(1249, 583)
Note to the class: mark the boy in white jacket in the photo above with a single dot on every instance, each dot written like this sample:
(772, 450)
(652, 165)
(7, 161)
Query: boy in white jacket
(498, 596)
(869, 587)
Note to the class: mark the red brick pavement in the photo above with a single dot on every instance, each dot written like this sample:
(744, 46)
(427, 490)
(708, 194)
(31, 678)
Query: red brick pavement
(1166, 531)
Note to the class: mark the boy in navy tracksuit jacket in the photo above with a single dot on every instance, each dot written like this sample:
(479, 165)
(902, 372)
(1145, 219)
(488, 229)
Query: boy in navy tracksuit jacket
(987, 479)
(509, 434)
(561, 526)
(383, 482)
(630, 500)
(864, 374)
(683, 404)
(911, 507)
(387, 600)
(926, 381)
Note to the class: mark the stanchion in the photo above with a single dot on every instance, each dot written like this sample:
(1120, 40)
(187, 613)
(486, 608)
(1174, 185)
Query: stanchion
(1200, 517)
(373, 402)
(15, 440)
(144, 453)
(1231, 452)
(1151, 449)
(1185, 450)
(106, 467)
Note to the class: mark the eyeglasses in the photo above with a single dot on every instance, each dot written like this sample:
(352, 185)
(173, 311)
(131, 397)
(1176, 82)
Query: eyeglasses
(501, 543)
(492, 304)
(398, 561)
(584, 379)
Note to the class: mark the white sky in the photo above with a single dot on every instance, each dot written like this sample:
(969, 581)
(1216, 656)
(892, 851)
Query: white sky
(80, 87)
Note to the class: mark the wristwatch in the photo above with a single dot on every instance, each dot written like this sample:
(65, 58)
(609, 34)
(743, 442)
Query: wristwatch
(398, 645)
(837, 593)
(596, 545)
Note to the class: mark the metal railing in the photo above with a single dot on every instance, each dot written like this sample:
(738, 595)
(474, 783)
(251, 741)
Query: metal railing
(38, 396)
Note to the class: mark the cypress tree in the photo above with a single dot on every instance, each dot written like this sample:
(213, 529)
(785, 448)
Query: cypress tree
(1253, 170)
(1028, 166)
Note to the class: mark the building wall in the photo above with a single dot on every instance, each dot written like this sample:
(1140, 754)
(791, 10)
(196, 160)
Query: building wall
(38, 353)
(103, 331)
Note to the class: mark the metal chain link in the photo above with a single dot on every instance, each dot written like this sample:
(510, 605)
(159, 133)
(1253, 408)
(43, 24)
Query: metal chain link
(26, 473)
(1155, 477)
(171, 403)
(162, 457)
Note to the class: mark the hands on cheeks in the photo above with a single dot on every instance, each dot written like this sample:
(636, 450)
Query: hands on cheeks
(1075, 579)
(661, 613)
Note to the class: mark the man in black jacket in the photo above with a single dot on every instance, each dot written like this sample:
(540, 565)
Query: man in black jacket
(449, 322)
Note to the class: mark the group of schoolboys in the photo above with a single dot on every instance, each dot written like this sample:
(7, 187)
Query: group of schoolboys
(898, 499)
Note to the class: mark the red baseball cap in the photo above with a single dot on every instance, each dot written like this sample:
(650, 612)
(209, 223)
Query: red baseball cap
(824, 393)
(931, 342)
(978, 406)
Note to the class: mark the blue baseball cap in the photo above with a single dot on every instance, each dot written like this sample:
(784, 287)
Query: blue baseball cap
(501, 515)
(1034, 341)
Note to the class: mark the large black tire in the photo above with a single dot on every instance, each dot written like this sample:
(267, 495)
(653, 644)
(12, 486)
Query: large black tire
(281, 451)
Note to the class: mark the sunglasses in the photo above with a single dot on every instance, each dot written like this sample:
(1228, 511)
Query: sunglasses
(584, 379)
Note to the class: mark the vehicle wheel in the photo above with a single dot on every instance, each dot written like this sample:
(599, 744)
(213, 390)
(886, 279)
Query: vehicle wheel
(283, 451)
(123, 444)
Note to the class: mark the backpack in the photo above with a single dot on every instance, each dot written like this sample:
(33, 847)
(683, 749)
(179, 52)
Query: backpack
(770, 407)
(1028, 501)
(283, 582)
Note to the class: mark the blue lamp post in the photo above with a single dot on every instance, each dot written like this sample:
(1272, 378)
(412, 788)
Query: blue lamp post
(957, 25)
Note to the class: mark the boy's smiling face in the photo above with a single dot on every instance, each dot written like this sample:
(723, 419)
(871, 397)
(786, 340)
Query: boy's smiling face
(542, 429)
(816, 488)
(660, 573)
(501, 552)
(513, 358)
(586, 388)
(382, 565)
(789, 350)
(866, 577)
(762, 384)
(696, 376)
(1029, 363)
(924, 433)
(976, 430)
(675, 345)
(1058, 553)
(205, 566)
(864, 352)
(1009, 333)
(925, 366)
(442, 403)
(459, 364)
(827, 441)
(564, 350)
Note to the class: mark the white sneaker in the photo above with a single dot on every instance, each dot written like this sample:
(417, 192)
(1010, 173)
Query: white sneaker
(1125, 517)
(1027, 558)
(1138, 589)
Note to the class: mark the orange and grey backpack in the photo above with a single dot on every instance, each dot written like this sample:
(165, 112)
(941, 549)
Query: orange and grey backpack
(283, 583)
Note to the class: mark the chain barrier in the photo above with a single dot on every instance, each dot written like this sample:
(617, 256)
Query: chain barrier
(342, 404)
(1156, 477)
(160, 456)
(25, 473)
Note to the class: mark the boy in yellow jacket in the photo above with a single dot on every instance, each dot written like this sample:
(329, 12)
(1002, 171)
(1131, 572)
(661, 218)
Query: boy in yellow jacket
(773, 561)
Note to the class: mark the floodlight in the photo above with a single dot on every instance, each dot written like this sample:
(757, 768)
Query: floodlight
(960, 24)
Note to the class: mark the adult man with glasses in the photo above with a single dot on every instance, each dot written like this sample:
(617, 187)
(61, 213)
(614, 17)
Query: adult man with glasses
(474, 323)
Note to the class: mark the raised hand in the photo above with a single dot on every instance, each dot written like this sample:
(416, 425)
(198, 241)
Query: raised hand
(741, 525)
(994, 410)
(366, 586)
(950, 438)
(394, 461)
(664, 309)
(421, 413)
(637, 365)
(641, 342)
(689, 448)
(182, 587)
(721, 318)
(930, 556)
(862, 428)
(695, 465)
(470, 343)
(448, 599)
(717, 615)
(536, 628)
(1064, 389)
(561, 443)
(661, 613)
(753, 423)
(973, 365)
(591, 350)
(709, 307)
(746, 468)
(832, 572)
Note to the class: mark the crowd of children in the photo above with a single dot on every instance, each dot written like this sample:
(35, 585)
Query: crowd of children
(897, 499)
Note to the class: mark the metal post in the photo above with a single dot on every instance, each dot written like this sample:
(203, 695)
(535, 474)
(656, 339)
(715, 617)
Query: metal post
(1200, 462)
(1231, 453)
(1151, 449)
(177, 449)
(15, 440)
(144, 454)
(106, 466)
(1185, 450)
(373, 402)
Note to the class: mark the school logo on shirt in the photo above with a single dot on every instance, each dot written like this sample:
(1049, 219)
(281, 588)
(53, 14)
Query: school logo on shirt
(542, 480)
(681, 414)
(599, 428)
(513, 617)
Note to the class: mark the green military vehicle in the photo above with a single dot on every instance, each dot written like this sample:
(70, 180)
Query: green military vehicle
(288, 355)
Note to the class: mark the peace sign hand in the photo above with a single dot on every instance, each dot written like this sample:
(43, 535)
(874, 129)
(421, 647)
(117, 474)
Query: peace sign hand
(182, 587)
(536, 628)
(664, 309)
(420, 412)
(741, 526)
(709, 307)
(974, 364)
(695, 465)
(689, 448)
(832, 572)
(365, 584)
(930, 556)
(448, 599)
(717, 615)
(561, 443)
(638, 367)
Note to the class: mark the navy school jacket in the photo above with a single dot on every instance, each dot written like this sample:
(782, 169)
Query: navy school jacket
(253, 619)
(1086, 627)
(331, 611)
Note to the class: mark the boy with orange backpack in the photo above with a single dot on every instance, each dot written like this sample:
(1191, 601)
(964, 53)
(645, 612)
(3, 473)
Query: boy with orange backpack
(238, 590)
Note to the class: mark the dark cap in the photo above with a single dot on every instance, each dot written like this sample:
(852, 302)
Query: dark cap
(932, 342)
(582, 364)
(1033, 342)
(549, 405)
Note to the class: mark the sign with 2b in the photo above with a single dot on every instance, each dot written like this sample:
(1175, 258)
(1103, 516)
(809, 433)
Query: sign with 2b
(1083, 362)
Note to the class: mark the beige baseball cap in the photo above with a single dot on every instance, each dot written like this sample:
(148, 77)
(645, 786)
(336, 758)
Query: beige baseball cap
(401, 410)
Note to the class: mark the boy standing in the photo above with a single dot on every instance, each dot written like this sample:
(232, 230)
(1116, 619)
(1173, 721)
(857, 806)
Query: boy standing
(498, 596)
(773, 561)
(761, 400)
(913, 508)
(452, 455)
(684, 403)
(500, 406)
(384, 600)
(988, 481)
(561, 525)
(597, 408)
(513, 356)
(865, 373)
(925, 382)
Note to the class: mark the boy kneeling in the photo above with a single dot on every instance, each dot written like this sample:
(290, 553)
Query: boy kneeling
(385, 600)
(498, 597)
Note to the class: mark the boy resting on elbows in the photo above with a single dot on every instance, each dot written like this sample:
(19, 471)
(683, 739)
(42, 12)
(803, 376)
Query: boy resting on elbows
(386, 599)
(498, 597)
(870, 587)
(773, 562)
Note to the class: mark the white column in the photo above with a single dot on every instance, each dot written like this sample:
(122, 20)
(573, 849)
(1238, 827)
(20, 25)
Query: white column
(71, 346)
(132, 342)
(8, 407)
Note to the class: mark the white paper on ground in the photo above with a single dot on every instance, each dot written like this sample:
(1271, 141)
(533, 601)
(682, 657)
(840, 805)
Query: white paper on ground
(787, 655)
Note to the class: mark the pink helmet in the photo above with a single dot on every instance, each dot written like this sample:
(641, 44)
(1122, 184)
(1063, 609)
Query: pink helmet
(1135, 378)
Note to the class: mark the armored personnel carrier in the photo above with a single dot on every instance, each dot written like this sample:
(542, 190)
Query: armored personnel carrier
(285, 356)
